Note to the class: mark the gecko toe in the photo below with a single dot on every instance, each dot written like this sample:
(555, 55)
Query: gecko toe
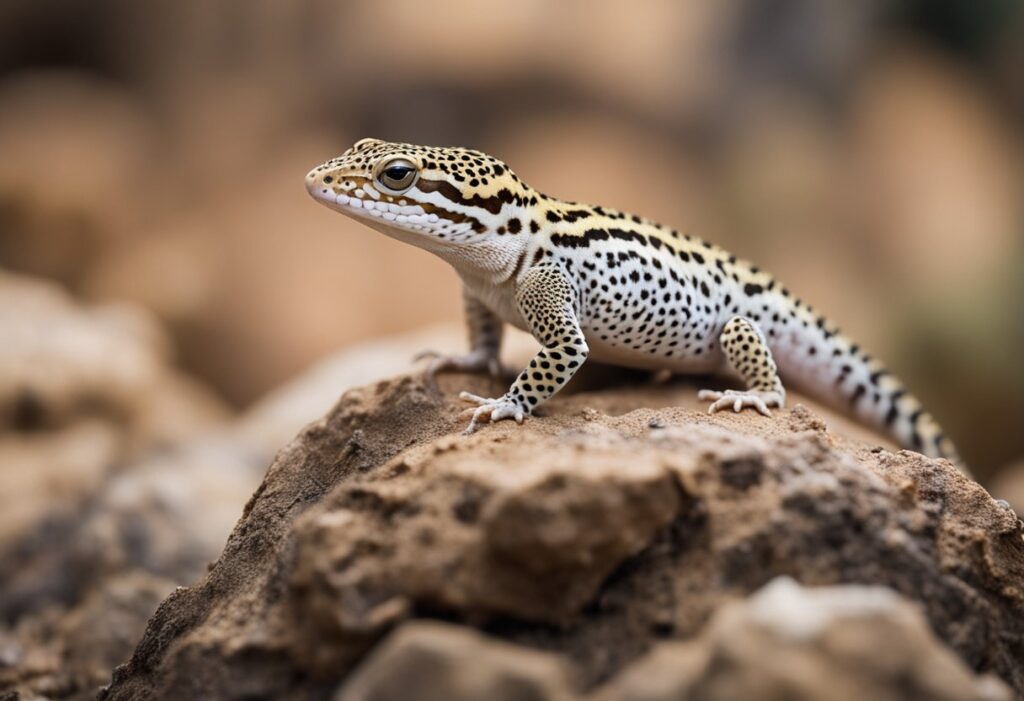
(740, 400)
(490, 410)
(475, 398)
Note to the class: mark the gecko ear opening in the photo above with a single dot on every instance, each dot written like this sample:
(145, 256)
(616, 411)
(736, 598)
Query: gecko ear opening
(397, 175)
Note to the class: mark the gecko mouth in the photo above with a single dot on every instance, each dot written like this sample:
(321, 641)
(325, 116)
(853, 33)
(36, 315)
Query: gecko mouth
(359, 203)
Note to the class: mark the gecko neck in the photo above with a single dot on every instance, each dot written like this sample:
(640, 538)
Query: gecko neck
(493, 256)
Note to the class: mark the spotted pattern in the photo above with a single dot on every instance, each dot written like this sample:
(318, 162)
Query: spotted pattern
(748, 353)
(592, 280)
(548, 304)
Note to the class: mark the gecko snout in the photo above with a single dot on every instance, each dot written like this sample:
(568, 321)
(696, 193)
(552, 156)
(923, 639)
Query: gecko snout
(319, 184)
(313, 181)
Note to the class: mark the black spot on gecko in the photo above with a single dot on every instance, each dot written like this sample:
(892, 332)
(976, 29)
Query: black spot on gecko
(574, 215)
(857, 394)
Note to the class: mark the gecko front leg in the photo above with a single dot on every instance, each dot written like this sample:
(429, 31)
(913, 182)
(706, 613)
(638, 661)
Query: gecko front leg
(545, 300)
(485, 333)
(747, 352)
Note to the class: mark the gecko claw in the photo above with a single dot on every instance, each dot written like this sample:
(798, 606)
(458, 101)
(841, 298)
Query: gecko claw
(490, 411)
(738, 400)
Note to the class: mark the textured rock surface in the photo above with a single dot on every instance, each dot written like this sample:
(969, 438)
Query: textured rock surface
(111, 491)
(81, 390)
(596, 534)
(117, 471)
(844, 643)
(566, 559)
(428, 661)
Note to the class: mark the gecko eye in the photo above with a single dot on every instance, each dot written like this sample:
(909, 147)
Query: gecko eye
(397, 175)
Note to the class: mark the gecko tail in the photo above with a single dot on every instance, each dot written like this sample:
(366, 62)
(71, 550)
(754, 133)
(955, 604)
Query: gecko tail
(849, 380)
(916, 429)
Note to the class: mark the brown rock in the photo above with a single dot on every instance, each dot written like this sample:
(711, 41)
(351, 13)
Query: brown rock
(442, 662)
(87, 398)
(64, 363)
(68, 655)
(532, 544)
(596, 533)
(113, 486)
(844, 643)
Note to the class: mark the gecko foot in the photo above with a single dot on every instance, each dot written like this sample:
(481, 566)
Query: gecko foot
(491, 410)
(738, 399)
(473, 362)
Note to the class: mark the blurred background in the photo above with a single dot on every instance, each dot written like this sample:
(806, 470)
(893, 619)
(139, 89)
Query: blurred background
(868, 153)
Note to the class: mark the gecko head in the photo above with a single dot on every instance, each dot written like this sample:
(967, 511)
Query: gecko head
(422, 194)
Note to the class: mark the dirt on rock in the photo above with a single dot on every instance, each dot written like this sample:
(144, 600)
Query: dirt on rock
(592, 541)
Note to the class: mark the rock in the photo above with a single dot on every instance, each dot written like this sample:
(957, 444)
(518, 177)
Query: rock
(441, 662)
(62, 363)
(533, 544)
(120, 470)
(87, 395)
(114, 486)
(842, 642)
(597, 534)
(68, 655)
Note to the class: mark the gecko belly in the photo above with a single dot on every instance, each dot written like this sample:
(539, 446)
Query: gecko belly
(687, 363)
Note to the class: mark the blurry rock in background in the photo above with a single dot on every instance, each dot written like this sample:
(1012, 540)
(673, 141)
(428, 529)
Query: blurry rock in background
(97, 521)
(1009, 485)
(784, 641)
(804, 643)
(82, 390)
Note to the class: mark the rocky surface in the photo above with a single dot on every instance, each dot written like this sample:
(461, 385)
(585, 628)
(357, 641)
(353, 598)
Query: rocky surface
(849, 642)
(119, 471)
(113, 485)
(601, 539)
(843, 643)
(609, 549)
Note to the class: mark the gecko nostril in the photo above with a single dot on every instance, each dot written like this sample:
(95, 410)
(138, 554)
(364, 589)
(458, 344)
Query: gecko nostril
(313, 182)
(328, 179)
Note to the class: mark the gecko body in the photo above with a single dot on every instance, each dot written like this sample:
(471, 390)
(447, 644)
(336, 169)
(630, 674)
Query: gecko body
(591, 282)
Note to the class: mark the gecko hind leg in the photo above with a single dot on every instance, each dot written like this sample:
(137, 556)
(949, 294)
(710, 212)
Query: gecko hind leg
(485, 332)
(747, 352)
(478, 361)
